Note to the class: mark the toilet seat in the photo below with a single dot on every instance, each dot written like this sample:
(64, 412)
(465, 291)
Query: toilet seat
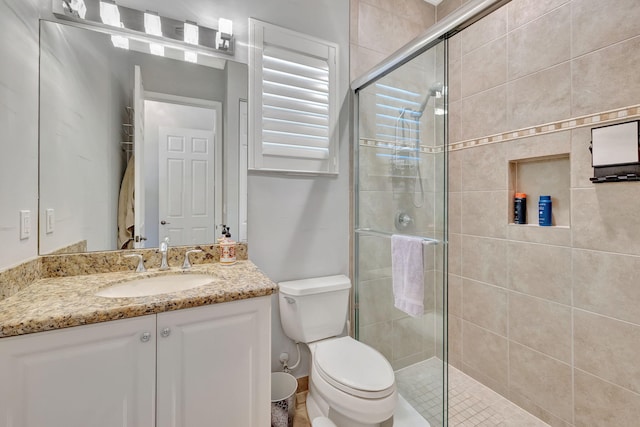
(354, 368)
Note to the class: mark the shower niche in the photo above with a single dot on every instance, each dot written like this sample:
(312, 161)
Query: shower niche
(537, 176)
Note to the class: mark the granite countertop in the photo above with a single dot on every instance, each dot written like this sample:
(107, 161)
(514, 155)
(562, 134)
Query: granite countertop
(62, 302)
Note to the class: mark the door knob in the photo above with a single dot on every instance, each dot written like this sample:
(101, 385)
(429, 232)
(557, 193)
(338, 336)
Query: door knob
(163, 222)
(165, 332)
(146, 336)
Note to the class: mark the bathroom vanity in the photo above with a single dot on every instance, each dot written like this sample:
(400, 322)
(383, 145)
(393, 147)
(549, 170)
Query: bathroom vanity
(190, 358)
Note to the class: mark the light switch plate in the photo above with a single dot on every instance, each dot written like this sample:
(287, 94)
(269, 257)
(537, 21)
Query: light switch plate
(25, 224)
(49, 221)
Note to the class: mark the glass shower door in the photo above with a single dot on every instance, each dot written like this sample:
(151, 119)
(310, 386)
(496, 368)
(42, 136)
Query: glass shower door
(400, 188)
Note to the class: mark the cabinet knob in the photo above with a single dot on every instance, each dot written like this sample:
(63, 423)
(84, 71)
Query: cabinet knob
(146, 336)
(165, 332)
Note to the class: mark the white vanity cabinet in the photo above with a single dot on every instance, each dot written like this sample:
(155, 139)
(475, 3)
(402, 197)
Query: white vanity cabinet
(204, 366)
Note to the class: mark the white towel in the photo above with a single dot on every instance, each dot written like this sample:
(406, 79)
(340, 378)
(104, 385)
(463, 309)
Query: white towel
(407, 274)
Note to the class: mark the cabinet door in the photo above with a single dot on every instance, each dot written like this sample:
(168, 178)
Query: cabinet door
(214, 365)
(96, 375)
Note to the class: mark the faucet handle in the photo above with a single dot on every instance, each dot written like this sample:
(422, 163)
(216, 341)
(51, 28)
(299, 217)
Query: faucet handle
(186, 265)
(140, 268)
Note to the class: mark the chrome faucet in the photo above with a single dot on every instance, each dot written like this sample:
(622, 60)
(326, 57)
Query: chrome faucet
(164, 248)
(140, 268)
(187, 265)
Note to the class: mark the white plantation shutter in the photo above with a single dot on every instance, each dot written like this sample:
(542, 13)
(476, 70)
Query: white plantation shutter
(293, 90)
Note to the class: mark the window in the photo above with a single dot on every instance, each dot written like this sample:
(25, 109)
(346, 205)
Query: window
(293, 100)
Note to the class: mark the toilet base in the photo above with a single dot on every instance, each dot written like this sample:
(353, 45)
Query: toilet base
(318, 407)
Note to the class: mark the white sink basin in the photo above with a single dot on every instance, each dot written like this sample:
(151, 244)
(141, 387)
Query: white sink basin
(156, 285)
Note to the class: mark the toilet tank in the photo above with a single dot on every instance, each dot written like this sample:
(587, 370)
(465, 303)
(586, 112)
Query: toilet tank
(314, 309)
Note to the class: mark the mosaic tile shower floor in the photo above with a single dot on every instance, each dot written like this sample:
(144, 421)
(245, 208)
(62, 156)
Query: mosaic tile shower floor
(470, 403)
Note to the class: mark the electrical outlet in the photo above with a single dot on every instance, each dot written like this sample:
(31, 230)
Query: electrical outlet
(49, 221)
(25, 224)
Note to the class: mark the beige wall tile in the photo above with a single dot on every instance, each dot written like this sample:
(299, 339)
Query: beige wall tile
(536, 410)
(540, 324)
(484, 68)
(581, 169)
(455, 253)
(540, 44)
(417, 11)
(540, 270)
(481, 376)
(374, 258)
(376, 210)
(484, 260)
(455, 81)
(523, 11)
(455, 48)
(484, 213)
(484, 114)
(546, 381)
(601, 79)
(383, 32)
(455, 212)
(379, 336)
(605, 283)
(602, 404)
(487, 29)
(454, 167)
(484, 168)
(607, 348)
(455, 341)
(605, 218)
(455, 121)
(376, 301)
(446, 7)
(540, 98)
(485, 352)
(485, 306)
(409, 335)
(591, 31)
(374, 174)
(362, 59)
(455, 295)
(551, 144)
(353, 21)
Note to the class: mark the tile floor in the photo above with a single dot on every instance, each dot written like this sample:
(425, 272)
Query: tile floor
(470, 403)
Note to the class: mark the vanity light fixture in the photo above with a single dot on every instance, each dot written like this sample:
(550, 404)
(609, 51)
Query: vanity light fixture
(109, 13)
(191, 36)
(153, 26)
(120, 41)
(76, 7)
(224, 34)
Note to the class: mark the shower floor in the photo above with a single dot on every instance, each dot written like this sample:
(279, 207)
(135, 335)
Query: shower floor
(470, 402)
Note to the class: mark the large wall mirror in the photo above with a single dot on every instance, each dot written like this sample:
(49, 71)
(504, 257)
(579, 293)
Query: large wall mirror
(135, 144)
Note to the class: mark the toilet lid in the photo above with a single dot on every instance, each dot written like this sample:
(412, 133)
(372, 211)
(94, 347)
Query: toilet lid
(354, 367)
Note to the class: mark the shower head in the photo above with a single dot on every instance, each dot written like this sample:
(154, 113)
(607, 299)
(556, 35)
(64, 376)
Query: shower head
(435, 90)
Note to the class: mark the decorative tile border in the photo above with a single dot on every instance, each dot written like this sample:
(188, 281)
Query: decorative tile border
(604, 118)
(388, 145)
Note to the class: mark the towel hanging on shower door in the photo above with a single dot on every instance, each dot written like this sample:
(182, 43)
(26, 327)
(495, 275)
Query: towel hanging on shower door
(407, 274)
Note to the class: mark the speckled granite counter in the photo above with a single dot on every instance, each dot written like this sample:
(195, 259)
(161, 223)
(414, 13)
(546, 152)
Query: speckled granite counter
(62, 302)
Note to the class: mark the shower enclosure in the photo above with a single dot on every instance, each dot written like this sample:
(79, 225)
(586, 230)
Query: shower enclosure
(400, 188)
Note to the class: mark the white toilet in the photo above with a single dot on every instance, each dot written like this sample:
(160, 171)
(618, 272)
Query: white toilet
(350, 383)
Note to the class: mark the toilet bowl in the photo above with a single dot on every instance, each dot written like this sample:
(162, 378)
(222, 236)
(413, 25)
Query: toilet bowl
(350, 383)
